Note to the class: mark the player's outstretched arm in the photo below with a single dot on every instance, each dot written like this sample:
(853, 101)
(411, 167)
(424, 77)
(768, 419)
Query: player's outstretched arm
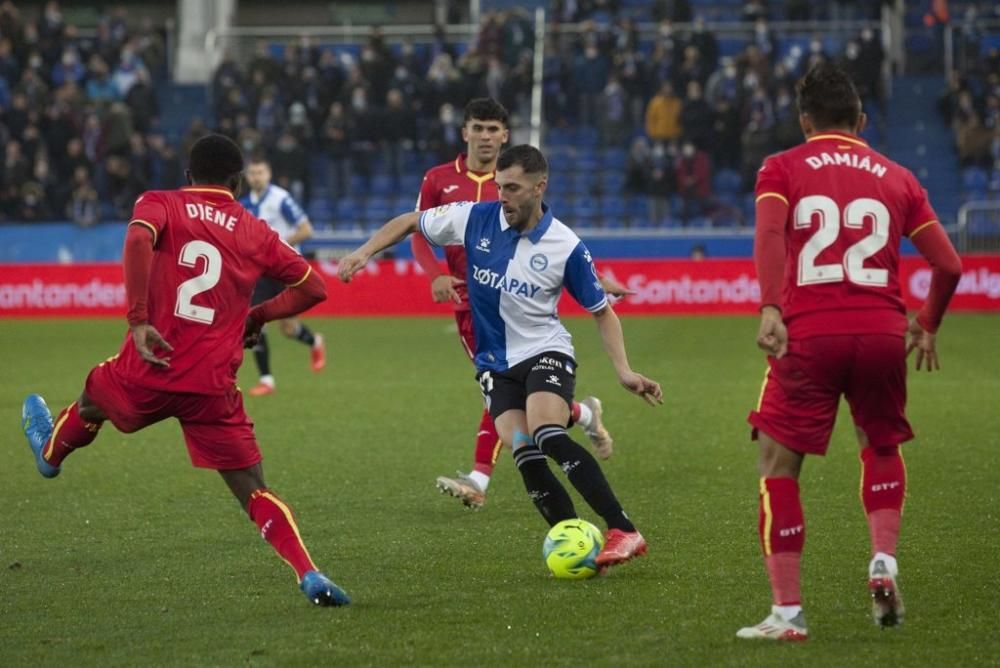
(610, 329)
(388, 235)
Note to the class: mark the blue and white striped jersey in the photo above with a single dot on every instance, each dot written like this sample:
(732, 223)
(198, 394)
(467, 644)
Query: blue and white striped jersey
(276, 207)
(515, 280)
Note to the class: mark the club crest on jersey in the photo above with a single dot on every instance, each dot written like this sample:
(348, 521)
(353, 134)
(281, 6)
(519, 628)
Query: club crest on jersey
(483, 245)
(539, 262)
(497, 281)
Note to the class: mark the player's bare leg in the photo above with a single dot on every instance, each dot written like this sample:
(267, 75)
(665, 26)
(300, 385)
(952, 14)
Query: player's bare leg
(51, 441)
(547, 415)
(782, 536)
(295, 329)
(277, 526)
(883, 488)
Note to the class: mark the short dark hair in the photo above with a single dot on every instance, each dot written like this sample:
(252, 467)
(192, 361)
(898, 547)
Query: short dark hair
(828, 96)
(528, 157)
(486, 109)
(258, 158)
(215, 159)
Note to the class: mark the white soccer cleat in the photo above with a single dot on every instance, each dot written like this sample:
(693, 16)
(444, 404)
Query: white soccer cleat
(775, 627)
(599, 437)
(887, 602)
(463, 488)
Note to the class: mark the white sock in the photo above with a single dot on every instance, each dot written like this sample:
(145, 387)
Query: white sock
(890, 562)
(267, 380)
(586, 415)
(481, 479)
(787, 612)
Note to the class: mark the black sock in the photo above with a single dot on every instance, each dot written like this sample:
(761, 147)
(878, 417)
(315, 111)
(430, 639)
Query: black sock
(262, 355)
(305, 335)
(548, 495)
(585, 473)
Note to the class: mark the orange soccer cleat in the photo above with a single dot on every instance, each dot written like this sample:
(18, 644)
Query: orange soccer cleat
(619, 547)
(318, 353)
(261, 389)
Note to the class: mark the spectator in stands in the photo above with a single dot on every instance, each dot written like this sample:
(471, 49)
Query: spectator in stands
(336, 132)
(290, 166)
(754, 10)
(726, 139)
(126, 74)
(639, 167)
(399, 131)
(706, 44)
(613, 113)
(663, 115)
(757, 142)
(100, 88)
(68, 68)
(142, 104)
(765, 40)
(33, 205)
(83, 207)
(590, 74)
(972, 137)
(725, 84)
(693, 175)
(696, 117)
(661, 182)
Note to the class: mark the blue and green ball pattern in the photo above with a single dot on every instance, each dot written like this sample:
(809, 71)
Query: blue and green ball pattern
(571, 548)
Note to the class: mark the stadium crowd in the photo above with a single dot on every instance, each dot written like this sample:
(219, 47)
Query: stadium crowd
(80, 115)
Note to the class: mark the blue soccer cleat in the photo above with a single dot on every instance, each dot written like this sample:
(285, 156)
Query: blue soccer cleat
(36, 421)
(321, 590)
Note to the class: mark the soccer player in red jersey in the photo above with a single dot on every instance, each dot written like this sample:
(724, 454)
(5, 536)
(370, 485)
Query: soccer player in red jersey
(831, 214)
(191, 259)
(470, 178)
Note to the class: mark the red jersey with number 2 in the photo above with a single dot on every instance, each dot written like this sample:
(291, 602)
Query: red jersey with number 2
(848, 209)
(208, 253)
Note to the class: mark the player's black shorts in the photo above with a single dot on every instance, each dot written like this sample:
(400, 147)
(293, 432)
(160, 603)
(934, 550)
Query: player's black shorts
(509, 390)
(265, 289)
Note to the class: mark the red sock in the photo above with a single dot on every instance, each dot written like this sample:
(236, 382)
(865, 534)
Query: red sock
(883, 488)
(277, 527)
(782, 535)
(487, 445)
(70, 432)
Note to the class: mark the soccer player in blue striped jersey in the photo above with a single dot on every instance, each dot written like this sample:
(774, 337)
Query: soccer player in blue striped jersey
(520, 257)
(276, 206)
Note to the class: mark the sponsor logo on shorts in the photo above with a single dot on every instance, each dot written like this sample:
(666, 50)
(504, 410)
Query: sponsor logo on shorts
(884, 486)
(791, 531)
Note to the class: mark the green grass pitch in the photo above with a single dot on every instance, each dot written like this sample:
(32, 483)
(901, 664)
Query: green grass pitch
(132, 557)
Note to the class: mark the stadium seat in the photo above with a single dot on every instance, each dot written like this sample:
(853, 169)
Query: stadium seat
(727, 181)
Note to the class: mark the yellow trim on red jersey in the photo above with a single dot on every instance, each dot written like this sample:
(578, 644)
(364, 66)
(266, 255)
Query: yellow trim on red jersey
(765, 504)
(301, 280)
(921, 227)
(146, 223)
(763, 386)
(479, 181)
(778, 195)
(55, 432)
(853, 140)
(217, 191)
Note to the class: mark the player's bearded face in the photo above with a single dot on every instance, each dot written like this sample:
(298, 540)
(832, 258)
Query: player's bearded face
(520, 194)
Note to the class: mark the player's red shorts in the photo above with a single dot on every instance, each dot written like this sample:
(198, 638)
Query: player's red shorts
(466, 332)
(218, 432)
(801, 392)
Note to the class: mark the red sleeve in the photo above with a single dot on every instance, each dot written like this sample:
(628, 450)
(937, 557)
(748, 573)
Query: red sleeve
(921, 214)
(137, 259)
(279, 260)
(292, 301)
(946, 270)
(150, 212)
(769, 248)
(772, 180)
(422, 251)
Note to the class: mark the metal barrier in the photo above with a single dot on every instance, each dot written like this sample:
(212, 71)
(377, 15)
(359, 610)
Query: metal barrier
(978, 228)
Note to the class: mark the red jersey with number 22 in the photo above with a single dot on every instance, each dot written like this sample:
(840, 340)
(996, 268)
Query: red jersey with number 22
(848, 209)
(208, 253)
